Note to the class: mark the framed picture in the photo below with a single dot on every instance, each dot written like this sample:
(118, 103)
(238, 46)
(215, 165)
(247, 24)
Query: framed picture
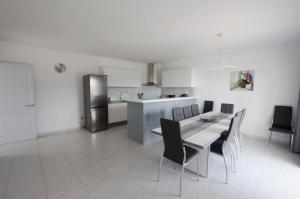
(242, 80)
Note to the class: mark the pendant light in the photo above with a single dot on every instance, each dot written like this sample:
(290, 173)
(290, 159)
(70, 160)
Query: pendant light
(221, 63)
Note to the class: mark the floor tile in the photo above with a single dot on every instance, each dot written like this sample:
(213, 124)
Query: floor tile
(77, 164)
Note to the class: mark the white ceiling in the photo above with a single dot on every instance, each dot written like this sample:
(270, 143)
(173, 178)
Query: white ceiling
(148, 30)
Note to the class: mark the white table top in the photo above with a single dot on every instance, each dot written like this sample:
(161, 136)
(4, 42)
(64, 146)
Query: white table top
(199, 137)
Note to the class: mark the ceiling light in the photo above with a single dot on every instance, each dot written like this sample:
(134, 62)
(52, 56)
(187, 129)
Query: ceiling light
(221, 63)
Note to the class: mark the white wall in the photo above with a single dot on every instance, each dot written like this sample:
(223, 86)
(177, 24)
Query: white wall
(276, 81)
(59, 101)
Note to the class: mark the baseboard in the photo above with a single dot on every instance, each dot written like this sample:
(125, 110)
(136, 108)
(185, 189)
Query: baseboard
(117, 123)
(58, 131)
(266, 139)
(75, 129)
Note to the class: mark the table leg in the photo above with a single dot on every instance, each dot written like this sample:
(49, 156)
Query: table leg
(192, 166)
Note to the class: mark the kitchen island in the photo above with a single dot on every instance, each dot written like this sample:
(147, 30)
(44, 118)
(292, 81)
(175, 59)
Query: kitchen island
(144, 115)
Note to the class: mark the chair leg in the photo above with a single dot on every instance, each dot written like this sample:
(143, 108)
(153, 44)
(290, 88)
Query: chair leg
(161, 161)
(237, 147)
(270, 137)
(237, 141)
(198, 167)
(226, 167)
(234, 163)
(181, 176)
(231, 161)
(242, 142)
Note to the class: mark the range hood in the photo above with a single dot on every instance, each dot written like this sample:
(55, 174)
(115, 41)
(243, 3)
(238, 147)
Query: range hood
(151, 76)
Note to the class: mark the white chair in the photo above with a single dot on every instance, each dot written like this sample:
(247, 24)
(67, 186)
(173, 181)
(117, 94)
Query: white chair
(224, 145)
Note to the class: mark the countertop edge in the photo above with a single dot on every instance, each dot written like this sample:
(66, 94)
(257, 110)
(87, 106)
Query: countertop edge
(162, 100)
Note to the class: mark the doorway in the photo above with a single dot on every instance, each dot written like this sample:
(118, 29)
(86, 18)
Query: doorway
(17, 107)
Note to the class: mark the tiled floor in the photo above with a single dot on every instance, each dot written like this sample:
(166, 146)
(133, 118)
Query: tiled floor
(107, 165)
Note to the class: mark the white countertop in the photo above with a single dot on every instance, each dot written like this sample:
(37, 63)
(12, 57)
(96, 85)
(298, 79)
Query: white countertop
(160, 100)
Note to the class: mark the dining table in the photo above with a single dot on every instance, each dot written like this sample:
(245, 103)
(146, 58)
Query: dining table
(200, 132)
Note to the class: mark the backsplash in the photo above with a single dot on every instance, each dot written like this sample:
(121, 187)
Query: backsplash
(178, 91)
(149, 92)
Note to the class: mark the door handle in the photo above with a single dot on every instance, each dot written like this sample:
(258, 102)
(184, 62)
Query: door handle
(30, 105)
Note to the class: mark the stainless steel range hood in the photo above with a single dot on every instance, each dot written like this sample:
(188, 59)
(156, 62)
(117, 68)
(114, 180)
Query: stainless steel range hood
(151, 76)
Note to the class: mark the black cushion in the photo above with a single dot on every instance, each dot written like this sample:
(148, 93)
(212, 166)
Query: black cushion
(216, 147)
(282, 117)
(178, 114)
(208, 106)
(224, 135)
(173, 142)
(190, 153)
(281, 130)
(195, 110)
(282, 120)
(187, 111)
(227, 108)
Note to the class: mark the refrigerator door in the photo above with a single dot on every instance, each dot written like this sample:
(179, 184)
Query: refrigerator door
(99, 119)
(98, 91)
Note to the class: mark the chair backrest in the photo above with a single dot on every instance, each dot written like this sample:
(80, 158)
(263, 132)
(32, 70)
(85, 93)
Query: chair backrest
(172, 140)
(178, 114)
(243, 114)
(240, 115)
(195, 110)
(282, 117)
(208, 106)
(227, 108)
(226, 148)
(187, 111)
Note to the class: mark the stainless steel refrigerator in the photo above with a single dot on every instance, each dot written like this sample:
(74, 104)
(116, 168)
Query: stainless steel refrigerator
(95, 102)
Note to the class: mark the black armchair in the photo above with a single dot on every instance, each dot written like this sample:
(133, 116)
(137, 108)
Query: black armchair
(195, 110)
(178, 114)
(227, 108)
(208, 106)
(174, 150)
(187, 111)
(282, 121)
(223, 145)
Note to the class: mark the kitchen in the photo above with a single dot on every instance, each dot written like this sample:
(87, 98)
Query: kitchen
(160, 84)
(126, 86)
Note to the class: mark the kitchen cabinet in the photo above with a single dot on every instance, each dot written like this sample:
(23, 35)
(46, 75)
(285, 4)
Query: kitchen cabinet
(179, 78)
(117, 77)
(117, 112)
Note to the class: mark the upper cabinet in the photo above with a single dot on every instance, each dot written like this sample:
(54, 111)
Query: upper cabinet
(117, 77)
(179, 78)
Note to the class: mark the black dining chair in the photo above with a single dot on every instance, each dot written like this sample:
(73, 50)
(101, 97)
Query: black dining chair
(227, 108)
(174, 150)
(195, 110)
(223, 145)
(282, 121)
(208, 106)
(178, 114)
(237, 143)
(187, 111)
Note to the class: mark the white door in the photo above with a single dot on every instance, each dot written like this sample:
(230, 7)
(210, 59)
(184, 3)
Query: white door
(17, 111)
